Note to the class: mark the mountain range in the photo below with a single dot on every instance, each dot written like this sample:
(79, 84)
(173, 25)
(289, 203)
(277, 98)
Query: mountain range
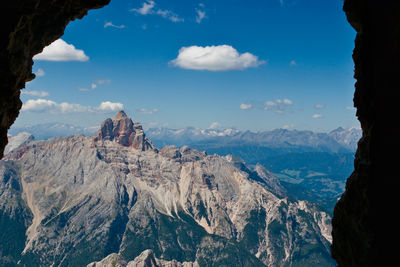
(115, 198)
(338, 140)
(311, 166)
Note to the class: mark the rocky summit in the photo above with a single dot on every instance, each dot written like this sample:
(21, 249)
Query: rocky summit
(122, 130)
(114, 199)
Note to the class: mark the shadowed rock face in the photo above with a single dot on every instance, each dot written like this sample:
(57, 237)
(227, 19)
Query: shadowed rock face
(27, 27)
(363, 226)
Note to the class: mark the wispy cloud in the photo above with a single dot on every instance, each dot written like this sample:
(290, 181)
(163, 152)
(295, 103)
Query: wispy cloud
(200, 13)
(40, 72)
(148, 8)
(246, 106)
(49, 106)
(110, 24)
(94, 85)
(215, 58)
(317, 116)
(59, 50)
(103, 81)
(35, 93)
(319, 106)
(278, 106)
(168, 14)
(147, 111)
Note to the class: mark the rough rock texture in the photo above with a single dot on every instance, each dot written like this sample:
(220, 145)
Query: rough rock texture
(76, 200)
(364, 229)
(17, 141)
(122, 130)
(112, 260)
(27, 27)
(146, 259)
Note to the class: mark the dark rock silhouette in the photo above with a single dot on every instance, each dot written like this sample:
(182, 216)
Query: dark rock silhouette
(363, 230)
(29, 26)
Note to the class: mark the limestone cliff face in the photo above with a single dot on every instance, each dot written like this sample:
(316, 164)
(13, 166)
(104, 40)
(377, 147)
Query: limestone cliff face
(79, 199)
(29, 26)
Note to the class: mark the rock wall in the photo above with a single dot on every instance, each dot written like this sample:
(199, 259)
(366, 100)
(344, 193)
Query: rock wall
(27, 27)
(364, 222)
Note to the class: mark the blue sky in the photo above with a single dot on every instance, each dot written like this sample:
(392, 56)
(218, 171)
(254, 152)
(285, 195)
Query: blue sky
(254, 65)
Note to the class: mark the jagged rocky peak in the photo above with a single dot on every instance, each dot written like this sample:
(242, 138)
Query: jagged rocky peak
(124, 131)
(146, 259)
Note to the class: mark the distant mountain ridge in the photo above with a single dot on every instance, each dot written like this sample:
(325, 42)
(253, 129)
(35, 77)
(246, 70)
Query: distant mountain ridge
(338, 140)
(49, 130)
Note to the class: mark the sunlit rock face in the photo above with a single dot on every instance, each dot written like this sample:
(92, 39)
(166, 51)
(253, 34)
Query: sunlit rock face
(146, 259)
(123, 131)
(363, 231)
(27, 27)
(78, 200)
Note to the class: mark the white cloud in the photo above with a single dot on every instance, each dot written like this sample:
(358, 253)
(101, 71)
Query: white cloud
(40, 73)
(49, 106)
(350, 108)
(35, 93)
(59, 50)
(148, 9)
(319, 106)
(38, 105)
(214, 58)
(147, 111)
(110, 24)
(108, 106)
(278, 105)
(317, 116)
(214, 125)
(246, 106)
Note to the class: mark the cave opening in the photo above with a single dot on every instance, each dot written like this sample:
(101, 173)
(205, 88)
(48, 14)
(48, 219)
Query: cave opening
(362, 246)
